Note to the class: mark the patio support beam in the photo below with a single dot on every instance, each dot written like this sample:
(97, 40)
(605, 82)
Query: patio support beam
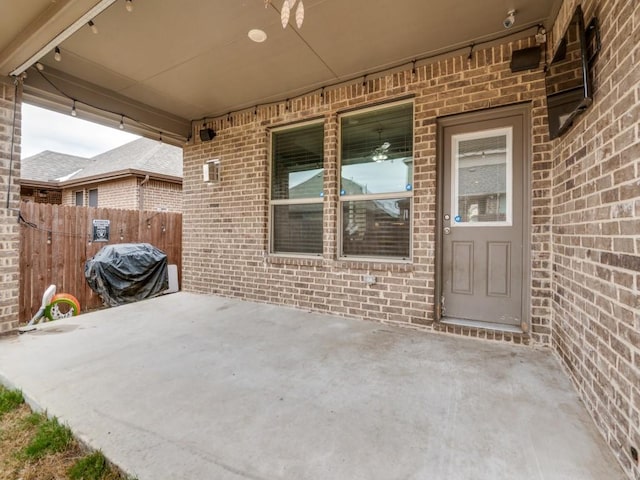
(103, 106)
(10, 128)
(54, 25)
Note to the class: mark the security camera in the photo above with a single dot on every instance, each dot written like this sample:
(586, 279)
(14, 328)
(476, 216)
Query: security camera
(510, 20)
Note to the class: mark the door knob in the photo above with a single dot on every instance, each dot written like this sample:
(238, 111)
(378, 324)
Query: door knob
(447, 230)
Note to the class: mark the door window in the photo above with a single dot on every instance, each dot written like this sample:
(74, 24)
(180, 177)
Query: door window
(481, 177)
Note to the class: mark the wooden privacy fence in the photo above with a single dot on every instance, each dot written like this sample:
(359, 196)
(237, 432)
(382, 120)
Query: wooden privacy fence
(56, 241)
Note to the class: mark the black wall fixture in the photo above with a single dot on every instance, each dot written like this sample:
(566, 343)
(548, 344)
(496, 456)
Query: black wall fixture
(207, 134)
(525, 59)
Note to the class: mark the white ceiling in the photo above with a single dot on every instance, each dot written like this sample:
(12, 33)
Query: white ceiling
(192, 58)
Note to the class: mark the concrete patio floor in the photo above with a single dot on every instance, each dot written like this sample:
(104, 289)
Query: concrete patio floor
(199, 387)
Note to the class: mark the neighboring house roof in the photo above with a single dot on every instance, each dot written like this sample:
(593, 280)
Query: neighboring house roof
(51, 166)
(143, 155)
(140, 157)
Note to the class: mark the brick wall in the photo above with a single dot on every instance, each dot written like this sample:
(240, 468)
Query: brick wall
(121, 193)
(69, 196)
(9, 190)
(125, 193)
(596, 233)
(164, 196)
(40, 195)
(226, 224)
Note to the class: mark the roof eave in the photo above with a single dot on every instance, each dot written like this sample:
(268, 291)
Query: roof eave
(117, 175)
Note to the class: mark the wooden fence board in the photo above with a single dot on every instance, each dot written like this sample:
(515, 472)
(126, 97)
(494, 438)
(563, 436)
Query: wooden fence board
(55, 248)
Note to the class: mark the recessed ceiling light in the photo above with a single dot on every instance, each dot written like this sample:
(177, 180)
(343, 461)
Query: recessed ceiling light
(257, 35)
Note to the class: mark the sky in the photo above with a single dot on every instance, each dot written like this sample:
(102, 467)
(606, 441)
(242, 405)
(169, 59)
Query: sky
(46, 130)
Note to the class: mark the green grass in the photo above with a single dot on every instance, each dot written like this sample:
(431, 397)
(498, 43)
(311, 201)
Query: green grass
(91, 467)
(9, 400)
(34, 420)
(34, 439)
(51, 437)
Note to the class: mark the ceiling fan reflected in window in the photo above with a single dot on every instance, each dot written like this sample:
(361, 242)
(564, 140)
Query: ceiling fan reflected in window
(379, 154)
(287, 8)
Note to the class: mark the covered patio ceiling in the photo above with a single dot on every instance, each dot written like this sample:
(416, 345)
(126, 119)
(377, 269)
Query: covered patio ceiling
(166, 63)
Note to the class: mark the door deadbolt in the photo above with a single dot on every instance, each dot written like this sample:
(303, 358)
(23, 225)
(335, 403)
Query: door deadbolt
(447, 230)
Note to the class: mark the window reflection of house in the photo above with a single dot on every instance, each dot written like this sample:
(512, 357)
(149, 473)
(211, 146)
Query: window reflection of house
(377, 182)
(366, 223)
(301, 227)
(372, 225)
(483, 193)
(297, 190)
(482, 179)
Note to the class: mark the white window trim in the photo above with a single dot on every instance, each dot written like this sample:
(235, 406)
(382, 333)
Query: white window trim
(455, 141)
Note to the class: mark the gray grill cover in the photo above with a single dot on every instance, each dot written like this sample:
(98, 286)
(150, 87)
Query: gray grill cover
(127, 272)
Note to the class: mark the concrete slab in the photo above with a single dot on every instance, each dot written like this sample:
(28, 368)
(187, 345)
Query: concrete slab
(192, 387)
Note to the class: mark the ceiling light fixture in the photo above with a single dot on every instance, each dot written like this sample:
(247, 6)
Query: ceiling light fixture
(57, 55)
(121, 122)
(93, 27)
(380, 153)
(73, 110)
(257, 35)
(128, 4)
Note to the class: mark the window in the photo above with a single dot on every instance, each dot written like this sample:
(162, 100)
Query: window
(482, 177)
(79, 198)
(93, 197)
(376, 187)
(297, 179)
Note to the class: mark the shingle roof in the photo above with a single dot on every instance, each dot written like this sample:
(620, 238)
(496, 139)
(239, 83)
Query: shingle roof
(50, 166)
(142, 154)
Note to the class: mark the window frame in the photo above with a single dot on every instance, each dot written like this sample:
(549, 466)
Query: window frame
(300, 201)
(75, 194)
(89, 198)
(380, 196)
(455, 172)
